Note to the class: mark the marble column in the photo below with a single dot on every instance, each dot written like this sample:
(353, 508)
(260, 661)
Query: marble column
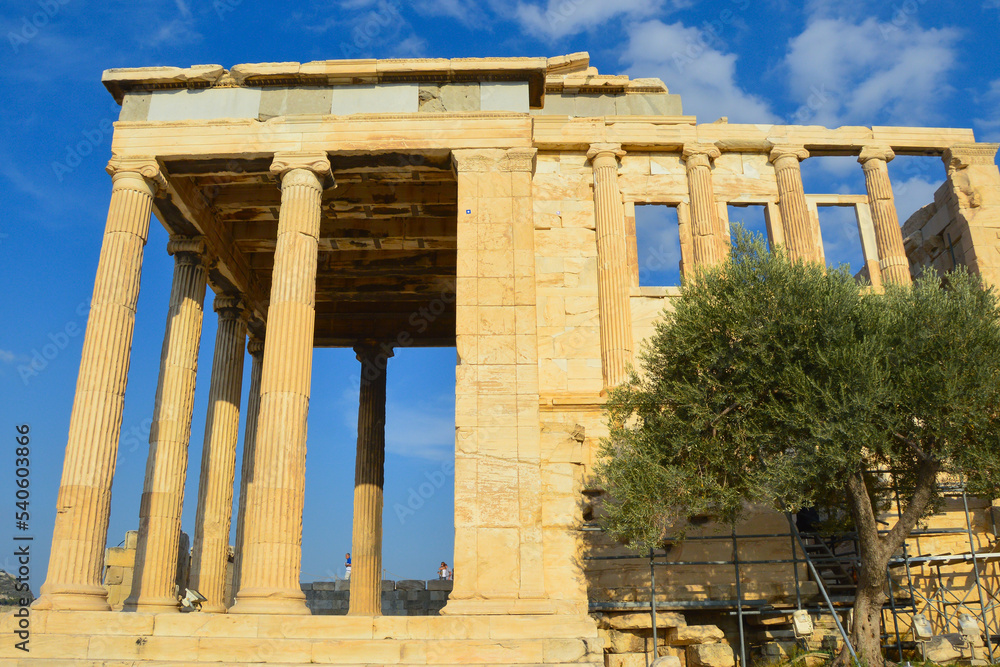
(795, 219)
(210, 549)
(706, 228)
(154, 578)
(369, 478)
(888, 236)
(83, 506)
(255, 346)
(272, 558)
(612, 264)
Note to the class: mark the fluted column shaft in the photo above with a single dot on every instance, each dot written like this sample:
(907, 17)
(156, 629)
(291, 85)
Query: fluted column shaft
(210, 549)
(369, 479)
(255, 347)
(154, 579)
(795, 220)
(272, 559)
(706, 228)
(84, 503)
(888, 236)
(612, 264)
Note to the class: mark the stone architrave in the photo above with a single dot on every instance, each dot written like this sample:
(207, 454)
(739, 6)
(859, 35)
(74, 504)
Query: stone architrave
(154, 579)
(255, 347)
(706, 228)
(84, 503)
(210, 549)
(888, 236)
(612, 265)
(795, 219)
(369, 479)
(272, 549)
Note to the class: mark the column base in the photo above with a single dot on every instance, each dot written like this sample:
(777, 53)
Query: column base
(73, 598)
(152, 605)
(270, 601)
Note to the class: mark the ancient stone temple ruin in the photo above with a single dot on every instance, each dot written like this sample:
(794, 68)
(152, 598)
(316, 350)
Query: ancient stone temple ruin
(323, 203)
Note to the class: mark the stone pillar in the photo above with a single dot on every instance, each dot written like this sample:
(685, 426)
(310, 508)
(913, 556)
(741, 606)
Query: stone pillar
(83, 506)
(795, 219)
(612, 264)
(210, 550)
(255, 346)
(888, 236)
(369, 478)
(272, 558)
(974, 184)
(155, 575)
(706, 229)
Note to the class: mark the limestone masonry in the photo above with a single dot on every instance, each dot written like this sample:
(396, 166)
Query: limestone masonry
(323, 204)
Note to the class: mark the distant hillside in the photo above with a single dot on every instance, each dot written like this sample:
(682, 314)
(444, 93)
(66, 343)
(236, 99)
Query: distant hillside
(9, 594)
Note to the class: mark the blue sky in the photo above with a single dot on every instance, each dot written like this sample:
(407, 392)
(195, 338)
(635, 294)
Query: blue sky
(767, 61)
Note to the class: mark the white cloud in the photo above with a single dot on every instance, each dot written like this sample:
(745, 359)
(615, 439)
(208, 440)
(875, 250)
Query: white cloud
(843, 72)
(703, 76)
(559, 18)
(913, 194)
(7, 357)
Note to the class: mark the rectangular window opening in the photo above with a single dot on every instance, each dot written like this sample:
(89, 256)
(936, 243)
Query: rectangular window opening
(658, 245)
(841, 241)
(753, 218)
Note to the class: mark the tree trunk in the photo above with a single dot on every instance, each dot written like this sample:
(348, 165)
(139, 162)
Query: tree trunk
(874, 552)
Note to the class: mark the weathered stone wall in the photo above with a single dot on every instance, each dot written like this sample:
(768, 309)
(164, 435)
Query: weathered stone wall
(407, 597)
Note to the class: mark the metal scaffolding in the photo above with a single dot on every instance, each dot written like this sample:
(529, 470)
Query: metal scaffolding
(829, 559)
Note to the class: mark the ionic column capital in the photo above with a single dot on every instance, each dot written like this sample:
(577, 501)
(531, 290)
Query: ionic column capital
(779, 151)
(255, 346)
(230, 307)
(700, 155)
(880, 153)
(310, 169)
(120, 167)
(370, 350)
(960, 156)
(189, 250)
(605, 150)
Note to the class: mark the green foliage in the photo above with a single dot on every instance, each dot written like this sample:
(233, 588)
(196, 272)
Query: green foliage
(772, 381)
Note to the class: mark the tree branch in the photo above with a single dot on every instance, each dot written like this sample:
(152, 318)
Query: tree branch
(926, 480)
(912, 445)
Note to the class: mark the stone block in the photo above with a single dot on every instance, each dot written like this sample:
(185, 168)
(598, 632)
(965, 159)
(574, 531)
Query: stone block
(644, 621)
(324, 585)
(206, 104)
(667, 661)
(342, 585)
(695, 634)
(710, 655)
(135, 106)
(291, 101)
(625, 660)
(410, 585)
(440, 584)
(119, 557)
(382, 98)
(503, 96)
(943, 649)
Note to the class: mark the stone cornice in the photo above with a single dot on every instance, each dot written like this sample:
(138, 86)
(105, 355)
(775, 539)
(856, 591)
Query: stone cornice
(494, 159)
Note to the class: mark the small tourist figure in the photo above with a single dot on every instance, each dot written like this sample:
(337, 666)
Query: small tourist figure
(347, 566)
(443, 572)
